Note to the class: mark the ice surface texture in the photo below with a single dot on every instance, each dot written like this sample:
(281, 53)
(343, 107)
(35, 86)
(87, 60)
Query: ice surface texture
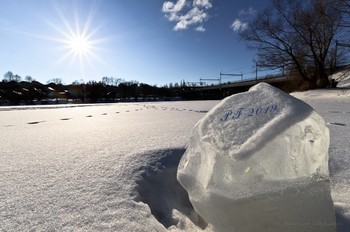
(258, 161)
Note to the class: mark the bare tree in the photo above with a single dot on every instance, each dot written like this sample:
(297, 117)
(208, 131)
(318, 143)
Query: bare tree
(297, 35)
(57, 81)
(111, 81)
(8, 76)
(28, 78)
(17, 78)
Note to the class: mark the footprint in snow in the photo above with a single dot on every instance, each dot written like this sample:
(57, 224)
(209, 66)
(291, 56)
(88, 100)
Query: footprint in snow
(337, 124)
(36, 122)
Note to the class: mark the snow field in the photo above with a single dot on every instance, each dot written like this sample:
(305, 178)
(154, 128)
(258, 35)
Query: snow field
(108, 167)
(77, 168)
(334, 106)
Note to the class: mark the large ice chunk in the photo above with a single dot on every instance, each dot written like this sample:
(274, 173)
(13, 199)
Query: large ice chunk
(258, 161)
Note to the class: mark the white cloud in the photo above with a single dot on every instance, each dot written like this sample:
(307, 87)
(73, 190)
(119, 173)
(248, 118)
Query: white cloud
(202, 3)
(242, 23)
(238, 25)
(200, 28)
(171, 7)
(194, 16)
(181, 25)
(187, 15)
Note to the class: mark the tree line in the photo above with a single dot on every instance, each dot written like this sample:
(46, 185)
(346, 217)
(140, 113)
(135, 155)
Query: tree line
(13, 90)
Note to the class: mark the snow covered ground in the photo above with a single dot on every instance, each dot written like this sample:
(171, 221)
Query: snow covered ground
(112, 167)
(334, 106)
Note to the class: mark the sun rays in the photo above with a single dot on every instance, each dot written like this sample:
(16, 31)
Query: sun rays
(77, 39)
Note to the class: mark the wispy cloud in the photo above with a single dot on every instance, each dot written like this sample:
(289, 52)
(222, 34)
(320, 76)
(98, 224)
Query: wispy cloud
(187, 15)
(200, 28)
(238, 25)
(242, 22)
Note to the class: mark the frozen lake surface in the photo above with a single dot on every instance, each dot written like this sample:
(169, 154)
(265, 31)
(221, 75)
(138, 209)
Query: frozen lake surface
(111, 167)
(76, 168)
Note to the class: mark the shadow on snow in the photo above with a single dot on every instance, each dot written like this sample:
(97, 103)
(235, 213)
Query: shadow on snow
(159, 189)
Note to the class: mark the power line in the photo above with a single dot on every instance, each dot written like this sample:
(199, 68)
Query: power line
(210, 79)
(231, 74)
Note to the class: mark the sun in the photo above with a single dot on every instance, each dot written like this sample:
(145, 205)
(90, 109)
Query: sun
(79, 45)
(78, 38)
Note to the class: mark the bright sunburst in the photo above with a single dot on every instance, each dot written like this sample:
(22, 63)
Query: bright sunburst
(80, 45)
(78, 39)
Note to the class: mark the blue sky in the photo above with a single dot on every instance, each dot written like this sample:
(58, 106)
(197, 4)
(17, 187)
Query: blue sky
(150, 41)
